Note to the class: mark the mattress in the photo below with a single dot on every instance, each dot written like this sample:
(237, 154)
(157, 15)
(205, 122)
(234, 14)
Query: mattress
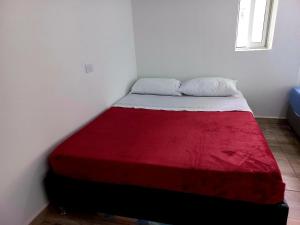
(295, 100)
(185, 103)
(218, 154)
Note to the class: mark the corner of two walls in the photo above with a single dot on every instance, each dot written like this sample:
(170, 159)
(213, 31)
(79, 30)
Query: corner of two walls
(45, 94)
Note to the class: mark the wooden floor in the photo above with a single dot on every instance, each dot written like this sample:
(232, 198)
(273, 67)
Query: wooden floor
(285, 146)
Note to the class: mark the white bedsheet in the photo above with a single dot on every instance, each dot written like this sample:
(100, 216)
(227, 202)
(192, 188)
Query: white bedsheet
(184, 103)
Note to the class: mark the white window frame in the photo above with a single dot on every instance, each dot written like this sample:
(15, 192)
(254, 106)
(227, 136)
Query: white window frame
(268, 28)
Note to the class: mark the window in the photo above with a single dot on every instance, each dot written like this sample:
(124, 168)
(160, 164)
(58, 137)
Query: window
(255, 24)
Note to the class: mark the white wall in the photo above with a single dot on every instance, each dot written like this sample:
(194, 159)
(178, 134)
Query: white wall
(45, 94)
(197, 37)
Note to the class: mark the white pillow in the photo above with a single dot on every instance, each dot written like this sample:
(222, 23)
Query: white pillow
(156, 86)
(209, 86)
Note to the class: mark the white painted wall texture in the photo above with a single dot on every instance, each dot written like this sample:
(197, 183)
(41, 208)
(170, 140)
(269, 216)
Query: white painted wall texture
(184, 39)
(45, 94)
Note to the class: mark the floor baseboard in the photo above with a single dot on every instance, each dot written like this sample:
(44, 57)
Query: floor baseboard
(39, 216)
(270, 117)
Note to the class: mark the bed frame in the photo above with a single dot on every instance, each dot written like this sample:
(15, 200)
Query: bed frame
(159, 205)
(294, 120)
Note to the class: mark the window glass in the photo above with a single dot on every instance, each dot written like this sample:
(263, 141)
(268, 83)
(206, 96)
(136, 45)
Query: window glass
(258, 20)
(244, 19)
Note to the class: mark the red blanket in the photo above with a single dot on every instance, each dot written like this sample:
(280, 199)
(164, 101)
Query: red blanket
(220, 154)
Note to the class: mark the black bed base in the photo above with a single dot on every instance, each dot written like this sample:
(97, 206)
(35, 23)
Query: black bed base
(159, 205)
(294, 120)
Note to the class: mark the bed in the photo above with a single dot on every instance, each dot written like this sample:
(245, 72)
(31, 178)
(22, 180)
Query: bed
(172, 159)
